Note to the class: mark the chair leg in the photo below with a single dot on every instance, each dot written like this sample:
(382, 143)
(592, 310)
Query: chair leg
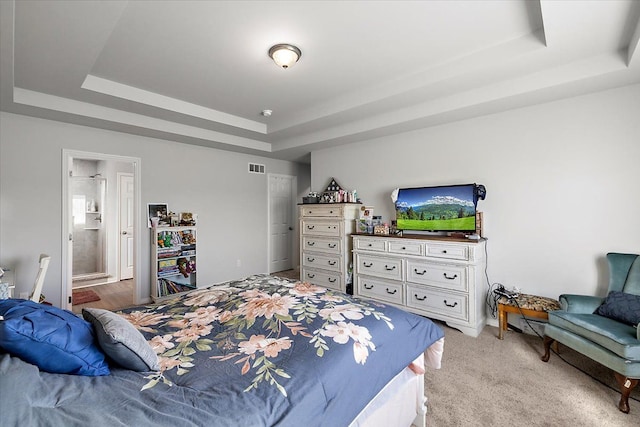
(626, 385)
(547, 348)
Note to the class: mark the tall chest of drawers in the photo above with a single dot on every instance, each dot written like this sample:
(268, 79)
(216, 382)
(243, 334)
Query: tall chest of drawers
(325, 243)
(437, 278)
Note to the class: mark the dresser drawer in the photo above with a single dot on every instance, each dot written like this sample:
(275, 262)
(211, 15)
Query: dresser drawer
(406, 248)
(448, 304)
(364, 244)
(380, 289)
(323, 278)
(440, 250)
(321, 228)
(390, 268)
(322, 244)
(441, 275)
(327, 262)
(319, 210)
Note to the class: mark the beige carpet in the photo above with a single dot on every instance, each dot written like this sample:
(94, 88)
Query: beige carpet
(488, 382)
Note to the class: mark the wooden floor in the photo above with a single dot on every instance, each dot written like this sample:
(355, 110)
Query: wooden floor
(113, 296)
(119, 295)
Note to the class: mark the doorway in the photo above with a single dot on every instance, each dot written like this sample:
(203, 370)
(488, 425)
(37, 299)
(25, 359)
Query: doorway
(93, 219)
(282, 218)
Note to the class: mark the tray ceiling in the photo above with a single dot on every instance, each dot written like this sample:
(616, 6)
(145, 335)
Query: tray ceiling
(197, 72)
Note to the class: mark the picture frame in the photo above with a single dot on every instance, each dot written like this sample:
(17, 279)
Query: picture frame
(157, 210)
(187, 218)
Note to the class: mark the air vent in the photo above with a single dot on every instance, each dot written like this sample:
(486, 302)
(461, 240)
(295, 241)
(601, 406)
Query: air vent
(256, 168)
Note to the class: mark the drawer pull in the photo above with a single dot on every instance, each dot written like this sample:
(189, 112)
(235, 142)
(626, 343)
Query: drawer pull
(415, 270)
(332, 262)
(330, 211)
(444, 251)
(311, 243)
(310, 227)
(386, 267)
(368, 286)
(450, 278)
(331, 280)
(367, 265)
(404, 248)
(369, 245)
(420, 299)
(392, 293)
(450, 305)
(331, 245)
(310, 259)
(311, 276)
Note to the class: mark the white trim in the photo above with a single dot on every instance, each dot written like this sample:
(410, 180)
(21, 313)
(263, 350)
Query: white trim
(66, 268)
(294, 192)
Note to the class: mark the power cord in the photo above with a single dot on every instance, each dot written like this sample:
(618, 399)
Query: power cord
(492, 302)
(515, 301)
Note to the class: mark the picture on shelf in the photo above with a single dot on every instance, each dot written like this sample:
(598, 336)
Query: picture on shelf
(187, 218)
(157, 214)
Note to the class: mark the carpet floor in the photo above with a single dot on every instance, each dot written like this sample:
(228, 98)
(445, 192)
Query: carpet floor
(485, 381)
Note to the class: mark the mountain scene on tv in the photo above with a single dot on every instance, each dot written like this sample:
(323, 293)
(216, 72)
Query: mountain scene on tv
(433, 209)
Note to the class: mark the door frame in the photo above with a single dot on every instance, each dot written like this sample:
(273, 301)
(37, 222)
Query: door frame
(294, 222)
(67, 230)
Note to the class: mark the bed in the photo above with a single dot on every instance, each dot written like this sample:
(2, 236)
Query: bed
(261, 351)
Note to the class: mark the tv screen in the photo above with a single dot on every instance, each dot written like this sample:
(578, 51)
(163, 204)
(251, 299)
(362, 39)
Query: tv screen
(449, 208)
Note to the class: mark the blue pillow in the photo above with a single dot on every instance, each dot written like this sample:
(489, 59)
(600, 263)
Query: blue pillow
(622, 307)
(53, 339)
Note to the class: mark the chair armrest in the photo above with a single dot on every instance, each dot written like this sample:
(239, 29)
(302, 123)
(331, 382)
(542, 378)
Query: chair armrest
(580, 303)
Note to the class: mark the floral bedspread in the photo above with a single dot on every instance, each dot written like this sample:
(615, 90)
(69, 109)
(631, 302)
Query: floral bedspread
(261, 351)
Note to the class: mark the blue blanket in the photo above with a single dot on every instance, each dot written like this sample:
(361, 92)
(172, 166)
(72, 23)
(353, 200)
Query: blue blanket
(262, 351)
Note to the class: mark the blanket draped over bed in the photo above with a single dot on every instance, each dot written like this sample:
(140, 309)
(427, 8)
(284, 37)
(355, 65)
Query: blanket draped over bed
(261, 351)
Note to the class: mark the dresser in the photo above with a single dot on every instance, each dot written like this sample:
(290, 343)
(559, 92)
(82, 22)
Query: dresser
(325, 243)
(441, 279)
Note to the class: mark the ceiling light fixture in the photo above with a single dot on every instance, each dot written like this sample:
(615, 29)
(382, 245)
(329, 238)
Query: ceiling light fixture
(285, 55)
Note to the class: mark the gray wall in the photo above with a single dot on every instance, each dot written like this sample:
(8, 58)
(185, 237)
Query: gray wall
(562, 178)
(231, 204)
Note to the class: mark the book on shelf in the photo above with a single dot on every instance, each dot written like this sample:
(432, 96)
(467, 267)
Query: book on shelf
(168, 287)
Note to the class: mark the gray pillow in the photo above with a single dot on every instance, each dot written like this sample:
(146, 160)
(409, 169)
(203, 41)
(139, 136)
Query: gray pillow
(121, 341)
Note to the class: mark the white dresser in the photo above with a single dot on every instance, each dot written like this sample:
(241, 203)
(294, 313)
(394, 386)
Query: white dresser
(441, 278)
(325, 243)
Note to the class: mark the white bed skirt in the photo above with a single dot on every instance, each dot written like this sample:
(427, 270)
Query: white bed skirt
(402, 402)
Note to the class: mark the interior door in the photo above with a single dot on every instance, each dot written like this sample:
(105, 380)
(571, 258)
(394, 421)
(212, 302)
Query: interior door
(125, 221)
(280, 222)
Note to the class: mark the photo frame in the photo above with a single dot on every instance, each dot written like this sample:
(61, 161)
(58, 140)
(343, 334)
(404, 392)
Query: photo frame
(157, 210)
(187, 218)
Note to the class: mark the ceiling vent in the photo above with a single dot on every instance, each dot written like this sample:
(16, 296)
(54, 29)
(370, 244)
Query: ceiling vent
(256, 168)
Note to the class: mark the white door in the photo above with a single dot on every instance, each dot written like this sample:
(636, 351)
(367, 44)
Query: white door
(125, 221)
(281, 222)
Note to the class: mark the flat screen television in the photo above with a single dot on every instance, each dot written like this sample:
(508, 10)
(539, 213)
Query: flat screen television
(447, 208)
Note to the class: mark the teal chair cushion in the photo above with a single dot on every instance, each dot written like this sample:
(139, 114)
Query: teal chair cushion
(624, 272)
(618, 337)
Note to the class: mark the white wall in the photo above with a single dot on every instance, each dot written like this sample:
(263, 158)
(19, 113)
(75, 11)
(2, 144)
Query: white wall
(231, 204)
(562, 179)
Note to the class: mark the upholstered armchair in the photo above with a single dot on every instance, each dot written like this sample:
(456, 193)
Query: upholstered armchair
(604, 329)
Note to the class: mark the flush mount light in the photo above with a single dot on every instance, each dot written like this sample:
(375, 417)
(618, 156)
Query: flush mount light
(285, 55)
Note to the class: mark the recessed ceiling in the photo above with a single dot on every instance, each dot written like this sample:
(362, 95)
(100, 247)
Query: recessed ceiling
(198, 72)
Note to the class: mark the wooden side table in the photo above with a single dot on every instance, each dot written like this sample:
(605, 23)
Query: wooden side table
(525, 304)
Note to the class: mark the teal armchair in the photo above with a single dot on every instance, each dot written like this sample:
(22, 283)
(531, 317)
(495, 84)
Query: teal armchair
(607, 339)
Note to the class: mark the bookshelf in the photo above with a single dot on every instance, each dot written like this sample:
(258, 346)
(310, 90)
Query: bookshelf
(173, 261)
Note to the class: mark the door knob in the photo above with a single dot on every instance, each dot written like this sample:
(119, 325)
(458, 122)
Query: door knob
(124, 232)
